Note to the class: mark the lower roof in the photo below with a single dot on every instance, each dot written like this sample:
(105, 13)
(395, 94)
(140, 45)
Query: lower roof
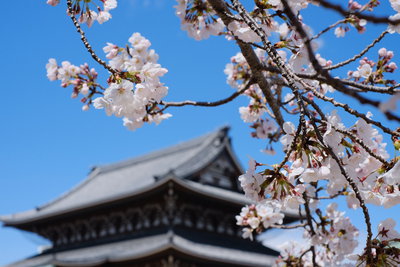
(139, 248)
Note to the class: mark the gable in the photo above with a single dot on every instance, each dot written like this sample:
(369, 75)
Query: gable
(222, 172)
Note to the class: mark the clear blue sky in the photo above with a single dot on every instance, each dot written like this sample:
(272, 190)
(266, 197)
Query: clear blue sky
(47, 144)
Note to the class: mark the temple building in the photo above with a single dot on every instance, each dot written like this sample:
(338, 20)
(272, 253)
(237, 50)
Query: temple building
(173, 207)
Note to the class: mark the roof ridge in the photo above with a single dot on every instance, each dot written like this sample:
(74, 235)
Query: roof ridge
(221, 133)
(185, 145)
(153, 155)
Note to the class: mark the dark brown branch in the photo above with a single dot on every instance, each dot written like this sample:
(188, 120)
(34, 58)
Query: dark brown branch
(205, 103)
(310, 224)
(351, 111)
(279, 226)
(341, 192)
(361, 143)
(359, 55)
(256, 67)
(329, 79)
(344, 132)
(352, 184)
(359, 87)
(324, 73)
(327, 29)
(85, 41)
(293, 144)
(363, 100)
(346, 13)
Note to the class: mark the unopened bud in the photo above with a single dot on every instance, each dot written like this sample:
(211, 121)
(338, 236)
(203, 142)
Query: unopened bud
(397, 144)
(280, 44)
(392, 66)
(382, 52)
(389, 54)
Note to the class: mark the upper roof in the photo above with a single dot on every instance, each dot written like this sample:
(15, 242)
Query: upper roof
(123, 179)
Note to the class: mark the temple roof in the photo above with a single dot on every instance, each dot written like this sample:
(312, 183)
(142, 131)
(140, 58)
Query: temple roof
(140, 248)
(131, 177)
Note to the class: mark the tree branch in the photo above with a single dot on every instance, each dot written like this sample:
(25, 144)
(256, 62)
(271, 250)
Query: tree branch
(370, 18)
(85, 41)
(255, 65)
(205, 103)
(363, 52)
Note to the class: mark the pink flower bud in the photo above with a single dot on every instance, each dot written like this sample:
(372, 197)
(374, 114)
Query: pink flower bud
(382, 52)
(53, 2)
(389, 55)
(354, 5)
(391, 67)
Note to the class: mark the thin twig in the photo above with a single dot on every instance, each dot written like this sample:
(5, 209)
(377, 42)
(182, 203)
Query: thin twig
(327, 29)
(280, 226)
(85, 41)
(363, 52)
(204, 103)
(350, 181)
(344, 132)
(323, 72)
(370, 18)
(293, 144)
(256, 66)
(352, 111)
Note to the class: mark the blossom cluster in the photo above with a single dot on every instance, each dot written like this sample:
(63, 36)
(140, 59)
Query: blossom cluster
(358, 24)
(198, 19)
(396, 6)
(385, 250)
(86, 14)
(257, 218)
(311, 163)
(134, 96)
(261, 186)
(82, 78)
(239, 77)
(373, 72)
(378, 183)
(333, 237)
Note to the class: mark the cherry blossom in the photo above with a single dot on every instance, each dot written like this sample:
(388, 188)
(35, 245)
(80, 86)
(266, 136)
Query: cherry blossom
(122, 97)
(86, 14)
(197, 19)
(256, 218)
(289, 85)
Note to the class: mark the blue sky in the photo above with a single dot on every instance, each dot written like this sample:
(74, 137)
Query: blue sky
(48, 145)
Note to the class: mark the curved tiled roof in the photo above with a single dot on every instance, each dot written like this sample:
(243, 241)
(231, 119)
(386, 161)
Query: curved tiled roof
(127, 178)
(138, 248)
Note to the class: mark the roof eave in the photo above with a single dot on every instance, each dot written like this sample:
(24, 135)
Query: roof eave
(199, 189)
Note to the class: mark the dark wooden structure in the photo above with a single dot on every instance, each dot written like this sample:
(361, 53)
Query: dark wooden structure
(174, 207)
